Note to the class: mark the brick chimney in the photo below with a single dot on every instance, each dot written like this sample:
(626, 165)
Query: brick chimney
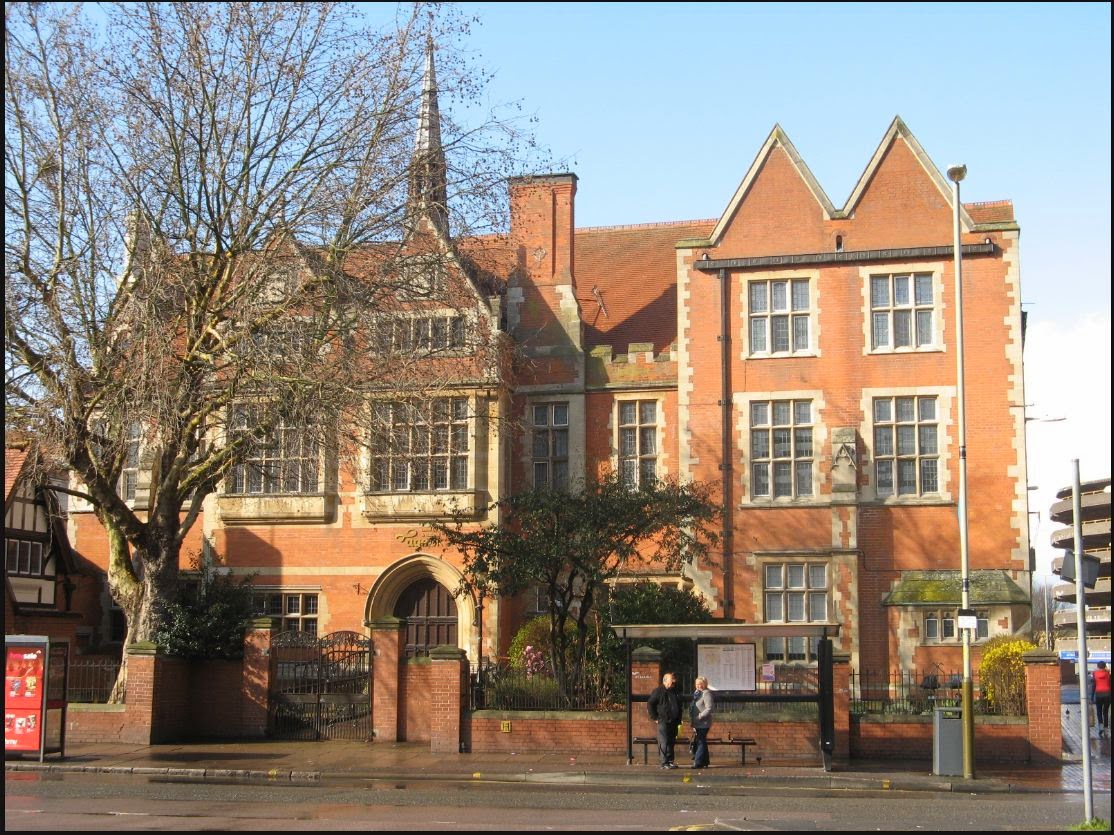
(544, 313)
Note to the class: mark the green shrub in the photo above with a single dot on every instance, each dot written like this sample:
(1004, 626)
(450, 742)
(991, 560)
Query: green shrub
(654, 603)
(534, 633)
(1002, 674)
(207, 618)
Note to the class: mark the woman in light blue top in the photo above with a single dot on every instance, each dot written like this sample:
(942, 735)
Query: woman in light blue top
(700, 713)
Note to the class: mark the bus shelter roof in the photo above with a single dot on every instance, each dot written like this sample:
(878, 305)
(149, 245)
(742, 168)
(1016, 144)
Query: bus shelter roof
(726, 630)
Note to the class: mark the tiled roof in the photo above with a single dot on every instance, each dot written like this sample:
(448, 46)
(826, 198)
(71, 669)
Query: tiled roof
(995, 211)
(14, 458)
(634, 269)
(943, 587)
(490, 260)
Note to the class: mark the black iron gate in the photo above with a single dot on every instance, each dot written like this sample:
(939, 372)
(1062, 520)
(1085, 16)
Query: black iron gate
(320, 687)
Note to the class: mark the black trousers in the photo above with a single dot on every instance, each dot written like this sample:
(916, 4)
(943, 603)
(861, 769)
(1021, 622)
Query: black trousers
(667, 737)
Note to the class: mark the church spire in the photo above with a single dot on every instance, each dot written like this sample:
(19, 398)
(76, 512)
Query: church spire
(428, 195)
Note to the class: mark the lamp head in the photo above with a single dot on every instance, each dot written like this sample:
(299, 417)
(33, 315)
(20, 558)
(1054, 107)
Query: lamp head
(956, 173)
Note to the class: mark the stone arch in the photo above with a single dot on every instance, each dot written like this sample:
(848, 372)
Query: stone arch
(399, 576)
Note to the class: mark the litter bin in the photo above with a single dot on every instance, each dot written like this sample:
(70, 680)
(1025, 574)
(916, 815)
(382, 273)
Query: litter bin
(947, 741)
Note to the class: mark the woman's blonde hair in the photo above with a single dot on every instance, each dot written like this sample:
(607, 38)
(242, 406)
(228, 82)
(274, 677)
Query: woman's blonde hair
(701, 679)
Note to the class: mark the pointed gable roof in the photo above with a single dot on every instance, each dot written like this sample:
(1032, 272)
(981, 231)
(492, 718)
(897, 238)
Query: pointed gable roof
(973, 216)
(777, 139)
(898, 131)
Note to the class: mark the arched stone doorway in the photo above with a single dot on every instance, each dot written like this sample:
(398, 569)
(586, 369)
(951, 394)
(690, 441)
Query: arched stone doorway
(387, 592)
(415, 591)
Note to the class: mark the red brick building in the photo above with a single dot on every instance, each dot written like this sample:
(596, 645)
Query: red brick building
(832, 330)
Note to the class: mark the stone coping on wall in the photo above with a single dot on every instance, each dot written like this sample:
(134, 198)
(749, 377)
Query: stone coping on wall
(94, 707)
(926, 719)
(565, 715)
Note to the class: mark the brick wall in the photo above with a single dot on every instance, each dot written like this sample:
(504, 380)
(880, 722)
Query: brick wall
(997, 739)
(216, 700)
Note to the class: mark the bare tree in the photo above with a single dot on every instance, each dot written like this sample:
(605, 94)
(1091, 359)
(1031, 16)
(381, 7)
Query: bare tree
(1045, 606)
(212, 236)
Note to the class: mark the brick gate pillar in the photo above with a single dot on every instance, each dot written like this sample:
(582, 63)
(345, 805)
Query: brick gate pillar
(645, 675)
(139, 698)
(157, 705)
(448, 689)
(1042, 696)
(388, 647)
(841, 704)
(255, 683)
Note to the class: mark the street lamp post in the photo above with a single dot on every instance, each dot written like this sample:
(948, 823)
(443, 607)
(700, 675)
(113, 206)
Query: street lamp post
(956, 173)
(1081, 638)
(480, 641)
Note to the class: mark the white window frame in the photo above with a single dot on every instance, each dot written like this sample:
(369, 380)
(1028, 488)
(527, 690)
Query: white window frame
(945, 624)
(913, 296)
(297, 609)
(901, 438)
(423, 334)
(129, 473)
(290, 466)
(795, 579)
(637, 459)
(405, 452)
(768, 418)
(25, 557)
(779, 323)
(423, 276)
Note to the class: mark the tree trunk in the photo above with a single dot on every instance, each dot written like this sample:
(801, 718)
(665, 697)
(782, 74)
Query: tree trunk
(140, 585)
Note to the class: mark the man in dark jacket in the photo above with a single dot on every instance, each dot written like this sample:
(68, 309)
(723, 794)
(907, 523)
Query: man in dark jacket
(664, 707)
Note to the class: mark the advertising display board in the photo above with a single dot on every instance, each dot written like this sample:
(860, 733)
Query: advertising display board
(34, 694)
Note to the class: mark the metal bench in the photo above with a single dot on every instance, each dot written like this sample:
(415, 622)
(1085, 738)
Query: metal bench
(740, 742)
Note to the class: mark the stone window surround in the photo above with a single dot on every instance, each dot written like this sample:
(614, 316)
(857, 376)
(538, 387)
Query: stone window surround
(820, 440)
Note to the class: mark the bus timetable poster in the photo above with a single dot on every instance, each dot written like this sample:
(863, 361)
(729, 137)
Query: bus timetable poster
(24, 694)
(727, 666)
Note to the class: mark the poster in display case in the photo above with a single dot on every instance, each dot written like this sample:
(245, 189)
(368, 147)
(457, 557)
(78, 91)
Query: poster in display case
(35, 671)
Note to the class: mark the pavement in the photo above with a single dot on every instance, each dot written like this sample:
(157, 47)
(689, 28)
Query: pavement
(300, 762)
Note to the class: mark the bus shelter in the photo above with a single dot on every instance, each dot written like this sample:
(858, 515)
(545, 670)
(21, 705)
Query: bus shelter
(738, 667)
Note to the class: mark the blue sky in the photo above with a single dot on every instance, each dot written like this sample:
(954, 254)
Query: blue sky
(660, 108)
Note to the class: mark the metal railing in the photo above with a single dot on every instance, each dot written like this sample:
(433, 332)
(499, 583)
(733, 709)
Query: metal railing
(911, 692)
(501, 687)
(91, 678)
